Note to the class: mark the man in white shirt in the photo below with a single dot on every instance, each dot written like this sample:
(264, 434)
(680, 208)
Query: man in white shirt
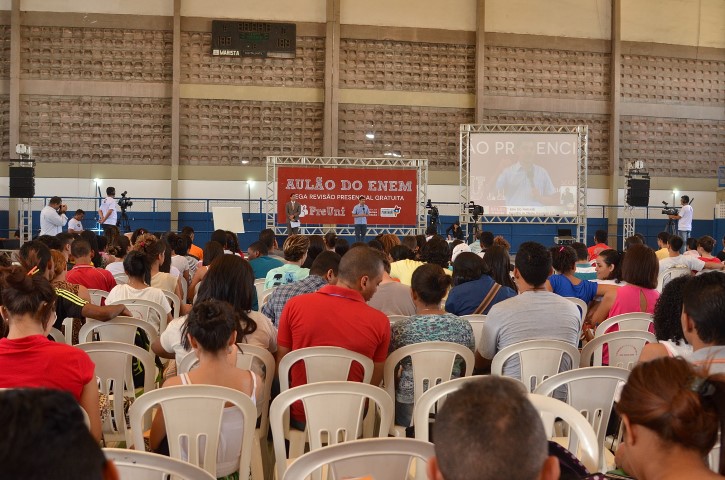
(107, 212)
(74, 224)
(684, 218)
(674, 244)
(52, 217)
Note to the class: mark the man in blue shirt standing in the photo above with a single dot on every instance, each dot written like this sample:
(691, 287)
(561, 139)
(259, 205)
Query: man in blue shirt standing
(360, 214)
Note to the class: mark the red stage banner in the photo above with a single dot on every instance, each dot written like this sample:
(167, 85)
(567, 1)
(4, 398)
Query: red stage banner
(328, 194)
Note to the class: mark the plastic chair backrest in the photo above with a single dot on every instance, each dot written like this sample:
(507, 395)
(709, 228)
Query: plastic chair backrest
(113, 368)
(137, 465)
(97, 295)
(333, 413)
(121, 278)
(174, 301)
(624, 349)
(323, 364)
(713, 458)
(583, 307)
(638, 321)
(434, 397)
(538, 360)
(582, 439)
(380, 458)
(591, 391)
(259, 286)
(397, 318)
(669, 274)
(68, 328)
(57, 335)
(193, 413)
(266, 294)
(476, 322)
(432, 364)
(119, 329)
(145, 310)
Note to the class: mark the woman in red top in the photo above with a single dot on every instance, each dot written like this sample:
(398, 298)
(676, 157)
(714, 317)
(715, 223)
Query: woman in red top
(27, 357)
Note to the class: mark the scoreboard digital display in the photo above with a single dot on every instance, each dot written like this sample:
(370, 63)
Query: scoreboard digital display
(242, 38)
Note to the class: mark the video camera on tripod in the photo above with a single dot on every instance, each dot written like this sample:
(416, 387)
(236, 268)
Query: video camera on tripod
(433, 212)
(667, 210)
(475, 210)
(125, 202)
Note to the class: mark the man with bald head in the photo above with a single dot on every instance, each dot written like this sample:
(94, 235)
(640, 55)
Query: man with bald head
(337, 316)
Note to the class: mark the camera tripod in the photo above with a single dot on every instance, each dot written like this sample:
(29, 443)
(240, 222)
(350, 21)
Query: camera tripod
(124, 225)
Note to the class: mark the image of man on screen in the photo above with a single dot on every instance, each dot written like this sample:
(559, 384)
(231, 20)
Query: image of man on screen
(292, 210)
(526, 184)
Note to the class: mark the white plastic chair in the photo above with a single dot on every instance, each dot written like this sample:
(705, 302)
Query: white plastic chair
(174, 301)
(396, 318)
(582, 439)
(379, 458)
(476, 321)
(259, 286)
(639, 321)
(68, 328)
(97, 295)
(323, 364)
(669, 274)
(591, 391)
(121, 278)
(432, 363)
(583, 307)
(265, 297)
(193, 413)
(333, 413)
(113, 368)
(57, 335)
(119, 329)
(538, 360)
(145, 310)
(434, 397)
(624, 349)
(136, 465)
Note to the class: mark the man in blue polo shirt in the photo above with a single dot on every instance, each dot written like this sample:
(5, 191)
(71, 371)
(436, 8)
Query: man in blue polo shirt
(360, 214)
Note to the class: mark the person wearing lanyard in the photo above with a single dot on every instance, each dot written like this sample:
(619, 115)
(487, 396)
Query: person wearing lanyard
(360, 214)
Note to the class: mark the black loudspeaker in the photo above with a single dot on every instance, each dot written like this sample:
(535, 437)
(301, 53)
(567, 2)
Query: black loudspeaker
(22, 182)
(638, 192)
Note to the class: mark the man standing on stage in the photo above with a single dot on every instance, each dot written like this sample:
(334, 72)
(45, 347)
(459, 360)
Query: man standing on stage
(684, 219)
(360, 214)
(107, 212)
(293, 210)
(52, 217)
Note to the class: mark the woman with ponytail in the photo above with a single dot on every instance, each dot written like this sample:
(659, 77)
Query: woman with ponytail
(155, 252)
(429, 284)
(27, 357)
(672, 412)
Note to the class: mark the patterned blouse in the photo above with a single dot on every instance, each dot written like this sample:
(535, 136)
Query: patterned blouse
(428, 328)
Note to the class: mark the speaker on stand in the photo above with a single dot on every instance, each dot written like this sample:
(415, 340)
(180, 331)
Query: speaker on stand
(638, 192)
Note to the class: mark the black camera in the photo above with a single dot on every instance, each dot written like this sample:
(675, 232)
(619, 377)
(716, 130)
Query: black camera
(475, 210)
(669, 210)
(125, 202)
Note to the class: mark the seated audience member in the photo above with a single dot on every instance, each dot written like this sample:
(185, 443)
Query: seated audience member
(341, 246)
(436, 251)
(668, 323)
(662, 252)
(375, 244)
(403, 264)
(317, 246)
(671, 412)
(392, 297)
(490, 427)
(430, 232)
(36, 259)
(410, 242)
(119, 253)
(28, 358)
(229, 279)
(137, 233)
(191, 260)
(703, 311)
(420, 241)
(95, 242)
(194, 250)
(430, 323)
(323, 272)
(211, 331)
(534, 314)
(721, 255)
(566, 284)
(502, 242)
(268, 237)
(475, 245)
(179, 250)
(59, 280)
(486, 242)
(584, 268)
(633, 240)
(232, 243)
(295, 252)
(705, 245)
(65, 239)
(458, 247)
(138, 271)
(498, 266)
(165, 266)
(330, 240)
(51, 418)
(155, 253)
(212, 250)
(691, 247)
(473, 291)
(609, 267)
(84, 273)
(337, 315)
(600, 244)
(674, 244)
(260, 261)
(389, 241)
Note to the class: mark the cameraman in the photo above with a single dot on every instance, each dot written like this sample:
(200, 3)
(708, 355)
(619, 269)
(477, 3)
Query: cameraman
(52, 217)
(107, 212)
(684, 219)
